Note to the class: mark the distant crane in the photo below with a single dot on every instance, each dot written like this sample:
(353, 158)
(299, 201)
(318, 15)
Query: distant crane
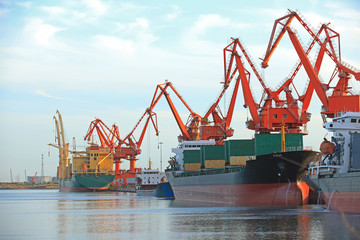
(33, 178)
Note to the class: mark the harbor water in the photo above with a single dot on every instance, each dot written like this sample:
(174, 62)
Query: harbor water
(50, 214)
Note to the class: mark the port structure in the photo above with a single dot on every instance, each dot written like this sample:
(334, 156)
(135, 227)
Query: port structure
(189, 129)
(341, 98)
(271, 113)
(109, 138)
(127, 148)
(64, 168)
(194, 128)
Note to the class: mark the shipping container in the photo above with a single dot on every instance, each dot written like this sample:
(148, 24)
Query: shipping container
(192, 156)
(192, 166)
(237, 152)
(270, 143)
(238, 160)
(214, 164)
(212, 153)
(243, 147)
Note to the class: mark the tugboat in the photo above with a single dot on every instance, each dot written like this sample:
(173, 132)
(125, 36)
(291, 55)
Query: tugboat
(336, 177)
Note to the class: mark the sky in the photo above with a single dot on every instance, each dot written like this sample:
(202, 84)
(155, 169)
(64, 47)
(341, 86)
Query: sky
(103, 59)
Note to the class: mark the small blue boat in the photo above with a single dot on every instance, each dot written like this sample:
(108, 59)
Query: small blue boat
(164, 190)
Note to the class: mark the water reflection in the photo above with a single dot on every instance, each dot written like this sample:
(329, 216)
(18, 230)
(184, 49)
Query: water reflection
(99, 213)
(112, 215)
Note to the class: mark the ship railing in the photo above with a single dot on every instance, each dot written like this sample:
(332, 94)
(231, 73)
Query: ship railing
(323, 170)
(308, 148)
(298, 148)
(294, 148)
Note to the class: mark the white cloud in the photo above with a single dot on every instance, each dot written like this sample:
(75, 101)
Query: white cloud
(44, 94)
(24, 4)
(139, 24)
(65, 15)
(42, 33)
(193, 37)
(273, 13)
(97, 7)
(54, 10)
(126, 47)
(175, 13)
(208, 21)
(138, 30)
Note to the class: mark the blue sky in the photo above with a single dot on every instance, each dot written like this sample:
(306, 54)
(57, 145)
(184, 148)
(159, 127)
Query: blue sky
(104, 59)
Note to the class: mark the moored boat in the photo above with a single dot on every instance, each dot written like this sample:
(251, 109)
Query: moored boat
(147, 181)
(164, 190)
(242, 172)
(90, 170)
(337, 176)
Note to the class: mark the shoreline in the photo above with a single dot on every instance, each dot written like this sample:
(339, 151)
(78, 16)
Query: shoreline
(19, 186)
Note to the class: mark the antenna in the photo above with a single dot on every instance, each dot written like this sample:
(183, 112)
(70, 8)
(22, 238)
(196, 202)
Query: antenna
(11, 176)
(42, 169)
(74, 144)
(149, 147)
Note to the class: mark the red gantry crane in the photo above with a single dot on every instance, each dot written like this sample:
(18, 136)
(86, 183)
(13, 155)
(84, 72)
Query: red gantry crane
(109, 138)
(341, 99)
(271, 112)
(220, 130)
(133, 147)
(190, 129)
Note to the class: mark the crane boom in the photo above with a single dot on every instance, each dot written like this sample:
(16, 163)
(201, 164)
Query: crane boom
(189, 130)
(341, 98)
(248, 97)
(272, 46)
(308, 68)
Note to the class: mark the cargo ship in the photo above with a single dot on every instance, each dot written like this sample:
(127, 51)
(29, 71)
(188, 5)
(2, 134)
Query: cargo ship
(336, 177)
(90, 170)
(253, 172)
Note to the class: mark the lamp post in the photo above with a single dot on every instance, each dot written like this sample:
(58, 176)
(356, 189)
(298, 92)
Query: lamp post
(160, 144)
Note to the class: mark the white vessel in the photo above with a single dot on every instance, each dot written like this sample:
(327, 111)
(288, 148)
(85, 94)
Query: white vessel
(337, 176)
(148, 180)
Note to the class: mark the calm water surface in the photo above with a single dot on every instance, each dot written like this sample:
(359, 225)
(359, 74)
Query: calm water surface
(49, 214)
